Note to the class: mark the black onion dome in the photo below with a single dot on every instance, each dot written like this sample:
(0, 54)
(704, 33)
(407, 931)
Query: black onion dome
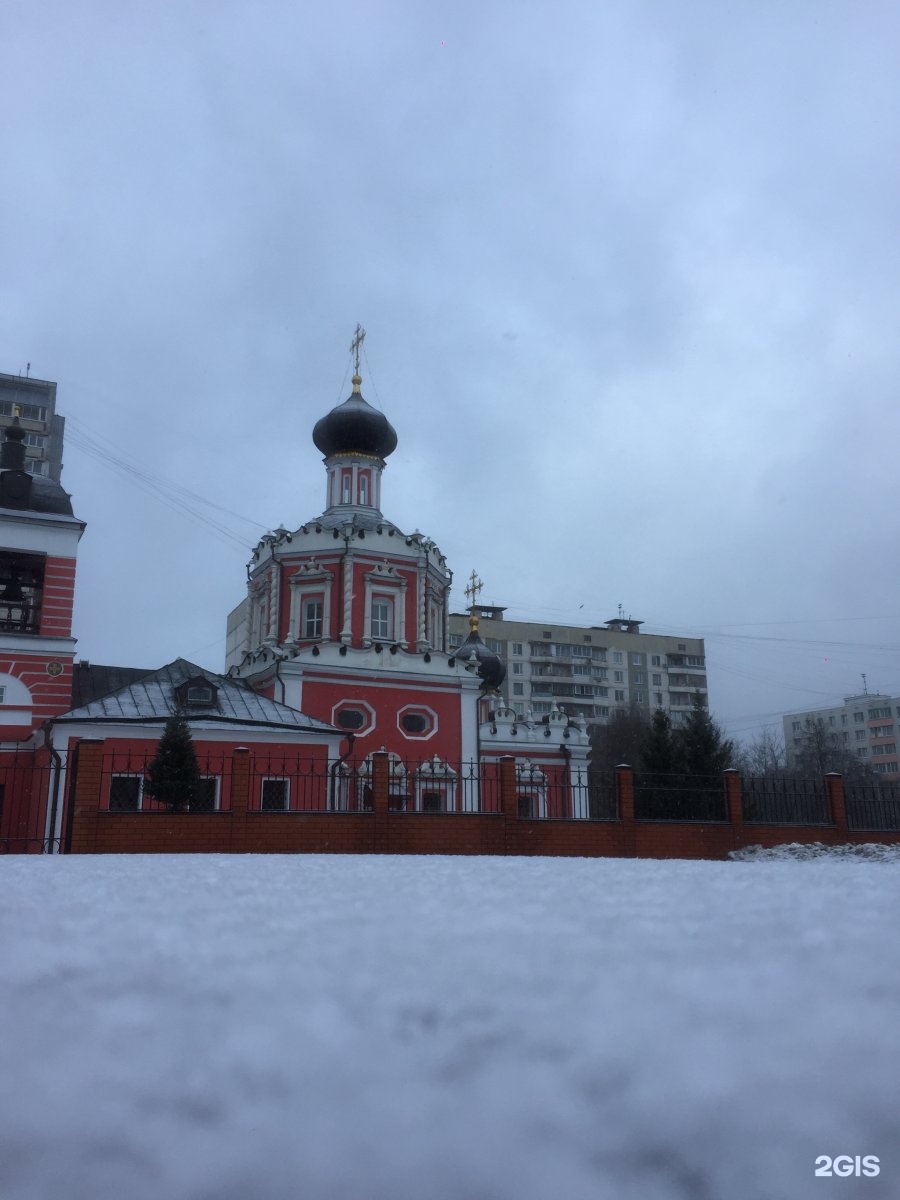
(491, 669)
(49, 497)
(355, 427)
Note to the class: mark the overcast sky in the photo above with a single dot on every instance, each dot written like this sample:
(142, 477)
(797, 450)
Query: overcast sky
(630, 275)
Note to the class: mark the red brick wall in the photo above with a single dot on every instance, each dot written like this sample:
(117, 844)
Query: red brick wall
(385, 832)
(58, 598)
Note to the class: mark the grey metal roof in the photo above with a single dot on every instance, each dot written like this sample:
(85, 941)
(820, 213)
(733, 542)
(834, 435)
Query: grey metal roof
(152, 698)
(90, 681)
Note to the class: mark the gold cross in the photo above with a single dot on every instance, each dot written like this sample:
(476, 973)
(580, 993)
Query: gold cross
(358, 339)
(473, 587)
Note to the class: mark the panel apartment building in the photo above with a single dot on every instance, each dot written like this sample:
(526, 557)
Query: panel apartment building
(590, 671)
(865, 725)
(35, 401)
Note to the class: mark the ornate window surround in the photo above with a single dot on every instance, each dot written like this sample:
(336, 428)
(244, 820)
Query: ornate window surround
(386, 581)
(311, 581)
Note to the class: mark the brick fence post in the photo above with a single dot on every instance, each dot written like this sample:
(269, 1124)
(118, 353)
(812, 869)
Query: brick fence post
(85, 794)
(734, 795)
(834, 790)
(240, 798)
(381, 791)
(240, 781)
(625, 800)
(509, 804)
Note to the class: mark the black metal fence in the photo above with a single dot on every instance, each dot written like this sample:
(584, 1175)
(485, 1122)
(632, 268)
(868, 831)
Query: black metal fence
(679, 798)
(603, 799)
(281, 784)
(784, 800)
(874, 806)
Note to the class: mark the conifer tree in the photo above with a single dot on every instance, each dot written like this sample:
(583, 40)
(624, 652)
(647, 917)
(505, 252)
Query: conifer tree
(173, 777)
(659, 750)
(702, 747)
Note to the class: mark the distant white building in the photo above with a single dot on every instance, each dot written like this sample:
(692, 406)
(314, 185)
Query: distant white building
(590, 671)
(864, 725)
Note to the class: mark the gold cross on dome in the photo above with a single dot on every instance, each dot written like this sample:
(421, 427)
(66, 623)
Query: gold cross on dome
(473, 587)
(358, 338)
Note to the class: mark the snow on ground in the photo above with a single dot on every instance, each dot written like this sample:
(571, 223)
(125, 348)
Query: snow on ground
(794, 850)
(377, 1028)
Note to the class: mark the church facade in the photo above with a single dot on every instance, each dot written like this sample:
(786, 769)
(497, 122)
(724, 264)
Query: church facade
(338, 656)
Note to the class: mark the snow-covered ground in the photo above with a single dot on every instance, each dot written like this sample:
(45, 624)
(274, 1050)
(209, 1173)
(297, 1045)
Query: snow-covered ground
(871, 851)
(375, 1028)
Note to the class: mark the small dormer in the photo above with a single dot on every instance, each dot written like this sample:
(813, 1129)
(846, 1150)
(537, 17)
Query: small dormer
(197, 692)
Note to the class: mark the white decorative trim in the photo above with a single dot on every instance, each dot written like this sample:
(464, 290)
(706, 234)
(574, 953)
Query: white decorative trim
(531, 781)
(435, 775)
(424, 710)
(353, 702)
(386, 578)
(347, 626)
(307, 582)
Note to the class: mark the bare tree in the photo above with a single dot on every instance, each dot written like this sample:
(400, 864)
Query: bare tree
(762, 755)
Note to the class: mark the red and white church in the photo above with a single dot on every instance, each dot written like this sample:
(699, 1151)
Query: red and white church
(338, 650)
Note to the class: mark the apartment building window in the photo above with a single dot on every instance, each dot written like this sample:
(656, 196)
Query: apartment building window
(843, 718)
(885, 768)
(581, 668)
(656, 660)
(619, 697)
(518, 689)
(454, 641)
(637, 660)
(518, 669)
(831, 720)
(845, 737)
(601, 710)
(639, 697)
(517, 648)
(862, 751)
(859, 717)
(885, 748)
(519, 710)
(876, 714)
(617, 656)
(581, 652)
(657, 680)
(860, 735)
(882, 730)
(795, 726)
(638, 677)
(28, 412)
(618, 676)
(657, 699)
(601, 691)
